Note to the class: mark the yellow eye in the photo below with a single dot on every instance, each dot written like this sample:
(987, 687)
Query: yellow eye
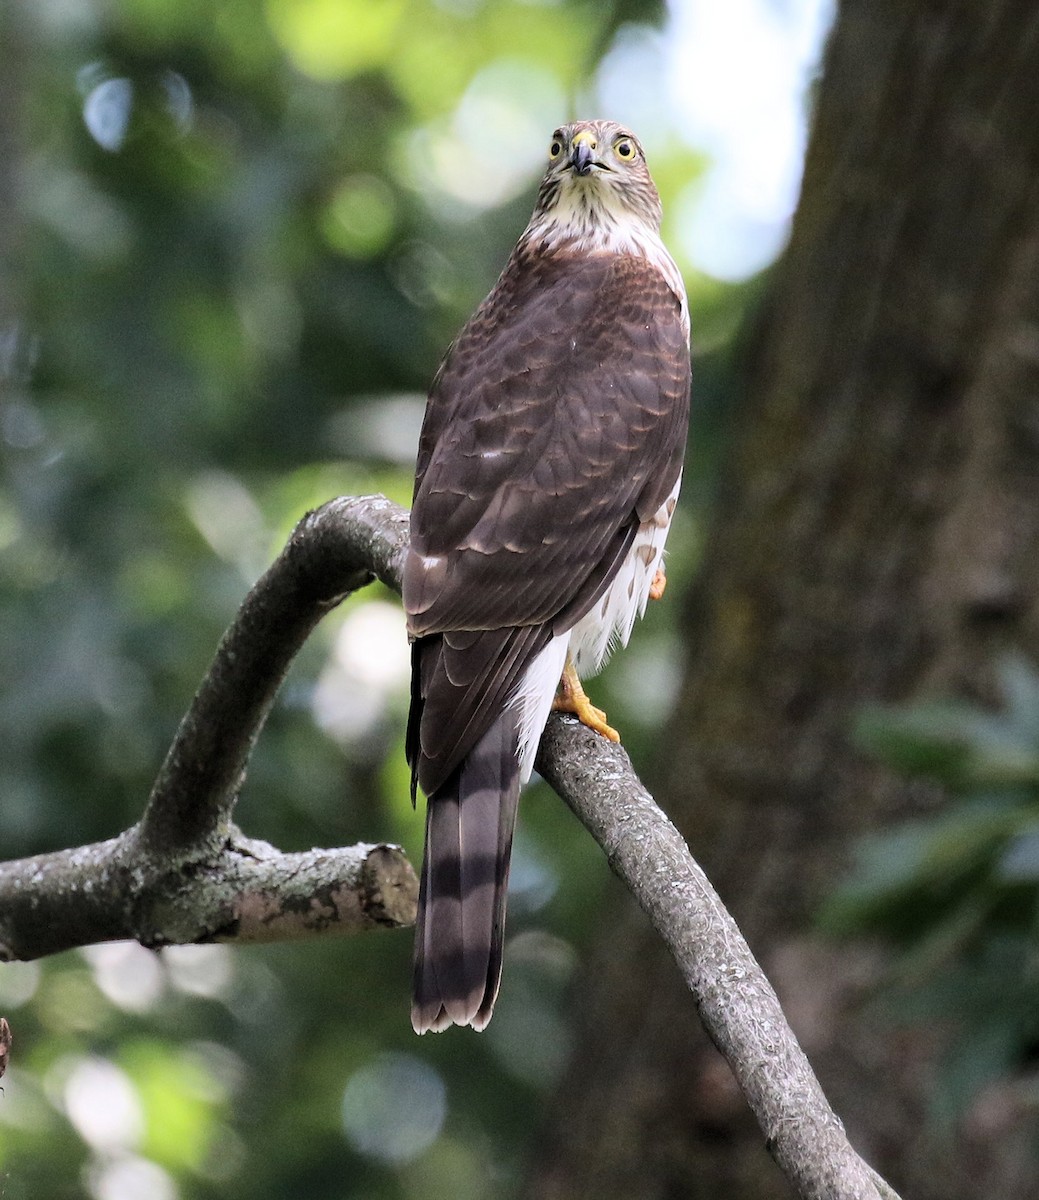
(625, 149)
(555, 149)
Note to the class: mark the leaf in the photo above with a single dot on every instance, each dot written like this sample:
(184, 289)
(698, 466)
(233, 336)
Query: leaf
(959, 745)
(908, 881)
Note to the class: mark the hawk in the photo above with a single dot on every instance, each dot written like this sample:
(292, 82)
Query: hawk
(548, 469)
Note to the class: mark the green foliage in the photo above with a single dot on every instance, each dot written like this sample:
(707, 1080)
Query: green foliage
(245, 233)
(958, 890)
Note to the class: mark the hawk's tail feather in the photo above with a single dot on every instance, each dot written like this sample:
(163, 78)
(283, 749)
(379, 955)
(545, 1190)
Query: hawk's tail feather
(470, 822)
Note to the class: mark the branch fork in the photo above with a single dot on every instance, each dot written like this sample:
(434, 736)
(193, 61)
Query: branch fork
(184, 873)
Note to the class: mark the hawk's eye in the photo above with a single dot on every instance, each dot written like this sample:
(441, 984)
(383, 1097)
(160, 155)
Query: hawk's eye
(555, 150)
(625, 150)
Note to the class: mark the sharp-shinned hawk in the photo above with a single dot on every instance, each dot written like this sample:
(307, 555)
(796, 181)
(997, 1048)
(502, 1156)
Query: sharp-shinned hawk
(548, 469)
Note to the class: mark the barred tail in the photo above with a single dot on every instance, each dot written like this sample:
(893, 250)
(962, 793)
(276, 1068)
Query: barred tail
(461, 911)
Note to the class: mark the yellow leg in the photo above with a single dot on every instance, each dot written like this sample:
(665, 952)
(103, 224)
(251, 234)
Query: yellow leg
(571, 698)
(656, 588)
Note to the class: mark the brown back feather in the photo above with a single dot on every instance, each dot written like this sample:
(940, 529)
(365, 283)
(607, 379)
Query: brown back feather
(556, 424)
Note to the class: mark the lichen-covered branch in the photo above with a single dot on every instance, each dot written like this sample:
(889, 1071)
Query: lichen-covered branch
(737, 1005)
(332, 552)
(185, 874)
(248, 892)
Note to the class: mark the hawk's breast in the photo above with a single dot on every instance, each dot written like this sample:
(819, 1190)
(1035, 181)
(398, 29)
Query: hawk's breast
(610, 621)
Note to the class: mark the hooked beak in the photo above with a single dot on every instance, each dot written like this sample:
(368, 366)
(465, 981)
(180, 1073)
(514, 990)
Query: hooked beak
(582, 154)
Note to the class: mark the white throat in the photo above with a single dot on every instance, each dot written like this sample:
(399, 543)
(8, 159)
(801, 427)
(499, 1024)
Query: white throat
(592, 220)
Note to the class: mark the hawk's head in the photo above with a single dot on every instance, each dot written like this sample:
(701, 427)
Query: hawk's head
(597, 181)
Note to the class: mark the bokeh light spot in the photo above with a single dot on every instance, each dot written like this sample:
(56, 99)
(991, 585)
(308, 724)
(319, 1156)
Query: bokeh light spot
(106, 113)
(130, 1178)
(358, 220)
(200, 970)
(370, 664)
(103, 1105)
(393, 1109)
(128, 974)
(495, 145)
(333, 39)
(18, 980)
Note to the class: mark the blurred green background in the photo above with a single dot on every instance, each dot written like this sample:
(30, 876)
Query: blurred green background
(236, 238)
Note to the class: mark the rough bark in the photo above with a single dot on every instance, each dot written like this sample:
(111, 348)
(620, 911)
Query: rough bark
(247, 891)
(184, 874)
(330, 554)
(878, 538)
(735, 1002)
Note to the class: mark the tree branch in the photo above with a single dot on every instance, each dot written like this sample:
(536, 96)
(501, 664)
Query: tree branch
(332, 552)
(246, 892)
(185, 874)
(737, 1005)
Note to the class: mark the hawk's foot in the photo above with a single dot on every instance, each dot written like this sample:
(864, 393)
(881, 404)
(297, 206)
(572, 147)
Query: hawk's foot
(572, 698)
(656, 588)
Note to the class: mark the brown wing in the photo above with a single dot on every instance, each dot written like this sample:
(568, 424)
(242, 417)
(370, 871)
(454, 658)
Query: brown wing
(555, 425)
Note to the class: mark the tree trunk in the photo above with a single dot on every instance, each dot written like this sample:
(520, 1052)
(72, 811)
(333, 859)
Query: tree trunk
(878, 538)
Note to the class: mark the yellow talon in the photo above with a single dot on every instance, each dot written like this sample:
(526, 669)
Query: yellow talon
(571, 698)
(656, 588)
